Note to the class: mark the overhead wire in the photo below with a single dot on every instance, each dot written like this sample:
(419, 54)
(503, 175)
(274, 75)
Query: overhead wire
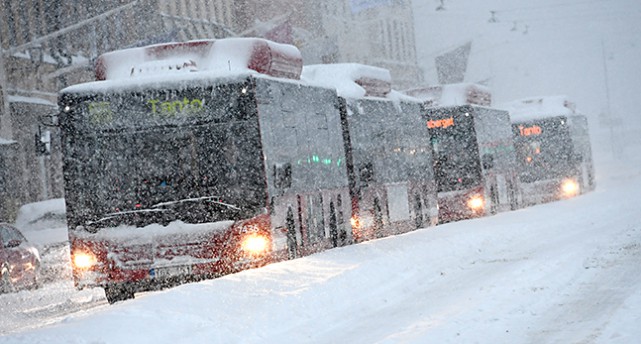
(586, 15)
(599, 10)
(547, 7)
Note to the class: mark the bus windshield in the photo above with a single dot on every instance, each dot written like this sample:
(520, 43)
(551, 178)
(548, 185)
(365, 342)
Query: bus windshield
(456, 156)
(544, 149)
(205, 168)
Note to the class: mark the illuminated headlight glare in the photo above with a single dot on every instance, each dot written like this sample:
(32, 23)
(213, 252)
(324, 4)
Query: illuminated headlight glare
(356, 223)
(362, 221)
(255, 244)
(570, 187)
(83, 260)
(476, 202)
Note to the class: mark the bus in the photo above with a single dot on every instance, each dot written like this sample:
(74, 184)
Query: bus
(193, 160)
(389, 159)
(553, 149)
(474, 160)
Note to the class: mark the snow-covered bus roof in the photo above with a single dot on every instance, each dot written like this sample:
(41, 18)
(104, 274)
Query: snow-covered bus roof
(230, 54)
(534, 108)
(193, 63)
(353, 80)
(177, 81)
(452, 94)
(162, 81)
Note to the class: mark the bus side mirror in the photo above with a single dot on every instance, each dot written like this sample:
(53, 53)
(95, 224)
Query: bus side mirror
(488, 161)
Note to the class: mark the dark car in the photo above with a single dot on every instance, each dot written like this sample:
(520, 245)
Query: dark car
(19, 260)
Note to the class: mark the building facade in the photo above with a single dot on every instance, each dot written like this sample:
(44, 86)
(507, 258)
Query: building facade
(375, 32)
(50, 44)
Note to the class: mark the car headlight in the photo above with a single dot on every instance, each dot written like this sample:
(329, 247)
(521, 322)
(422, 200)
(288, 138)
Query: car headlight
(83, 260)
(476, 202)
(255, 244)
(570, 187)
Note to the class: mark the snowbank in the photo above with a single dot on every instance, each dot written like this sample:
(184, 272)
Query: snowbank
(43, 223)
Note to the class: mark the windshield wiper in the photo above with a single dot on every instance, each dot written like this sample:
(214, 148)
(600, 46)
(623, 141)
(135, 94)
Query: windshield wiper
(210, 199)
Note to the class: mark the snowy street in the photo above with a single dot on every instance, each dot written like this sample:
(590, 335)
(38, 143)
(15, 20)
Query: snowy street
(564, 272)
(49, 304)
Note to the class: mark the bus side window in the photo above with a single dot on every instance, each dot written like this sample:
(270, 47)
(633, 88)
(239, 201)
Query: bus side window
(488, 161)
(283, 176)
(366, 173)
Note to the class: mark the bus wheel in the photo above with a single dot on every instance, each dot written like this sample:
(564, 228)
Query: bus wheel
(494, 199)
(378, 219)
(514, 202)
(333, 229)
(291, 235)
(418, 211)
(118, 292)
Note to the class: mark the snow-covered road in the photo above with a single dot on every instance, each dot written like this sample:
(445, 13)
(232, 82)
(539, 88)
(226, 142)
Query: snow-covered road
(565, 272)
(27, 310)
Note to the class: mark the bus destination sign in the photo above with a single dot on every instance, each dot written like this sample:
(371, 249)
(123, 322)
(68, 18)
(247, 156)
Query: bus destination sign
(440, 123)
(119, 111)
(534, 130)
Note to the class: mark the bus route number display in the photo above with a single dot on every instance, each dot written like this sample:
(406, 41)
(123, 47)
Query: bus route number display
(175, 107)
(534, 130)
(440, 123)
(108, 113)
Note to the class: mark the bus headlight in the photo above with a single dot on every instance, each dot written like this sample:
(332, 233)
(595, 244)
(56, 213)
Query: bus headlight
(255, 244)
(356, 222)
(570, 187)
(476, 202)
(83, 260)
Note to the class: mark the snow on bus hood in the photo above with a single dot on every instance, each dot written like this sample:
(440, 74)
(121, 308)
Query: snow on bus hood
(176, 229)
(156, 245)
